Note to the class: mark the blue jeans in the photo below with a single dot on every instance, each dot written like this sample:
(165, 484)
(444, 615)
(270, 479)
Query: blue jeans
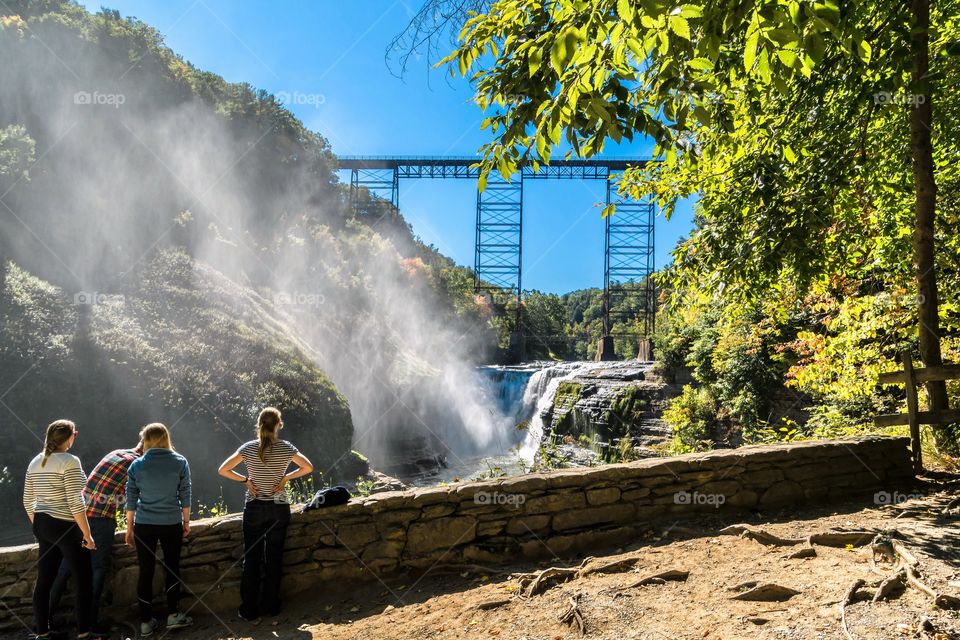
(102, 530)
(264, 533)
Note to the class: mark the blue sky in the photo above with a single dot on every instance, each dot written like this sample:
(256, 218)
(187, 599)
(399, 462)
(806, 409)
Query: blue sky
(331, 55)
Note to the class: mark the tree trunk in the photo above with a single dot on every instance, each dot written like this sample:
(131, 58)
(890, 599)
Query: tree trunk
(924, 256)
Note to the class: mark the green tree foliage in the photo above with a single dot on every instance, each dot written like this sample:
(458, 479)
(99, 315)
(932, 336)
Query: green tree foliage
(17, 152)
(805, 128)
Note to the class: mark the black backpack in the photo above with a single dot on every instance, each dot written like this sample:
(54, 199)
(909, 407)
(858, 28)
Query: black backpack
(329, 497)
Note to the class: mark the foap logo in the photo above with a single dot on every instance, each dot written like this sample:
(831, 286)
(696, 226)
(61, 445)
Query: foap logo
(882, 498)
(699, 499)
(99, 99)
(81, 298)
(514, 500)
(297, 299)
(886, 97)
(290, 98)
(886, 299)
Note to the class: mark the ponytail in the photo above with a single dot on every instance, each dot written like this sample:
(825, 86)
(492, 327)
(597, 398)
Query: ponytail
(268, 422)
(58, 432)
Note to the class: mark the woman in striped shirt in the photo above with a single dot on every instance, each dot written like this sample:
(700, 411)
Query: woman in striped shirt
(53, 498)
(266, 512)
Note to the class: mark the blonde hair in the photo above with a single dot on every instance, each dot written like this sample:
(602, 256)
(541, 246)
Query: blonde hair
(58, 432)
(268, 422)
(155, 435)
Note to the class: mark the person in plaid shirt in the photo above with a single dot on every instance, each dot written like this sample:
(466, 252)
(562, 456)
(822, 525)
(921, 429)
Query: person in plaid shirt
(105, 489)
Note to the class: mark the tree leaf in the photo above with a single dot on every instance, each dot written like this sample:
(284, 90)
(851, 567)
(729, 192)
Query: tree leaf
(750, 50)
(702, 64)
(787, 57)
(680, 26)
(534, 58)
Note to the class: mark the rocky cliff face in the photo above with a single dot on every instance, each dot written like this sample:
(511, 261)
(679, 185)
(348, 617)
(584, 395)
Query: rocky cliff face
(612, 403)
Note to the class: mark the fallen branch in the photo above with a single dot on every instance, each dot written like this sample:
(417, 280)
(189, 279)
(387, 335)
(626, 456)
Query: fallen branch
(573, 615)
(848, 599)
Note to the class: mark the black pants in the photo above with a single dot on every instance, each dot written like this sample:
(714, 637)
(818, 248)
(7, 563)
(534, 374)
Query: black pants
(264, 533)
(61, 540)
(170, 537)
(101, 558)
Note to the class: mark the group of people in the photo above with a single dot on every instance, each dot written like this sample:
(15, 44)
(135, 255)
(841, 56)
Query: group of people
(74, 519)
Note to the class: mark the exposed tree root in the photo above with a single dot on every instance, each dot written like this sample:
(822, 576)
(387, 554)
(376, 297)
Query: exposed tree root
(927, 630)
(910, 564)
(573, 616)
(743, 586)
(677, 575)
(826, 539)
(891, 586)
(848, 599)
(492, 604)
(533, 583)
(953, 504)
(670, 575)
(806, 552)
(617, 566)
(539, 581)
(765, 592)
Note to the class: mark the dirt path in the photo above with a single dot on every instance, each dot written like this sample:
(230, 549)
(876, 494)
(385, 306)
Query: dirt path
(443, 604)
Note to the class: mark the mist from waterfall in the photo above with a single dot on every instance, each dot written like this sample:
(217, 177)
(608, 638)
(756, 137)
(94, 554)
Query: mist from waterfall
(160, 168)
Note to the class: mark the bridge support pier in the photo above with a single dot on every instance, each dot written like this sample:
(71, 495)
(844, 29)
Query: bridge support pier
(628, 265)
(517, 349)
(605, 351)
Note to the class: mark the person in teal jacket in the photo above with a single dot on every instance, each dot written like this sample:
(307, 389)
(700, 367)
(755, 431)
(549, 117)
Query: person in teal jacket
(158, 511)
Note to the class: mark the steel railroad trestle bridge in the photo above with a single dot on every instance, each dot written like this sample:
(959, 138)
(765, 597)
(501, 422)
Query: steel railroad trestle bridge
(498, 249)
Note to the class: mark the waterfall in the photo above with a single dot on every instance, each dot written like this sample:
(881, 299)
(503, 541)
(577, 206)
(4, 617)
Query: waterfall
(526, 394)
(508, 385)
(538, 400)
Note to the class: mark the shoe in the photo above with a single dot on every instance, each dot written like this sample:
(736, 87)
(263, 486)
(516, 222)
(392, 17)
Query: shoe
(178, 621)
(147, 628)
(254, 620)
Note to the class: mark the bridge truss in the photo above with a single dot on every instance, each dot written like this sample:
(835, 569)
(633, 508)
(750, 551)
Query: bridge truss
(498, 255)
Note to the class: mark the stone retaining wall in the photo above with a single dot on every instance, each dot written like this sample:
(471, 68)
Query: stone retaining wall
(531, 516)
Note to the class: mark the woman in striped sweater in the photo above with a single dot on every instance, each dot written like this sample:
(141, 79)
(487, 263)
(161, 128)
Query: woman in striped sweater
(53, 498)
(266, 512)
